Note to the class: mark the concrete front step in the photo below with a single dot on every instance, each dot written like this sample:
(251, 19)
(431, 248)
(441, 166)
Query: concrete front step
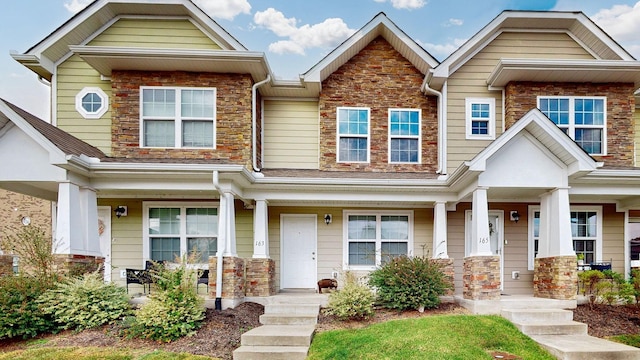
(585, 347)
(536, 316)
(245, 352)
(292, 309)
(279, 335)
(288, 319)
(556, 328)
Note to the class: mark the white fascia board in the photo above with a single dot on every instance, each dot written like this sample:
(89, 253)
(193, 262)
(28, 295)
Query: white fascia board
(168, 53)
(346, 195)
(349, 182)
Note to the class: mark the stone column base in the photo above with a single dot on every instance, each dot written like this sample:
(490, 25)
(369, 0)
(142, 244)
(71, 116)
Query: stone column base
(76, 265)
(555, 277)
(449, 272)
(232, 277)
(481, 278)
(261, 277)
(6, 265)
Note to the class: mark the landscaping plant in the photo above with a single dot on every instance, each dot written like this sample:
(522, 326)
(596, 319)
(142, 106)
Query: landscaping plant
(353, 301)
(85, 302)
(409, 283)
(20, 315)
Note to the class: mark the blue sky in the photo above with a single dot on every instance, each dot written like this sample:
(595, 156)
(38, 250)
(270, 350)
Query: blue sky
(295, 34)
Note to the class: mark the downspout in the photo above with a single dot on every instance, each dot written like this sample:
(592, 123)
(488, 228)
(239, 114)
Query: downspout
(221, 245)
(441, 128)
(254, 111)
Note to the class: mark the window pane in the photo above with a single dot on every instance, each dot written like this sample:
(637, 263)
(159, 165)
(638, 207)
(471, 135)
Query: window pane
(583, 224)
(165, 249)
(159, 133)
(404, 150)
(362, 253)
(556, 109)
(202, 221)
(390, 250)
(353, 122)
(590, 140)
(158, 102)
(197, 104)
(404, 122)
(362, 227)
(353, 149)
(197, 134)
(394, 227)
(585, 247)
(164, 221)
(480, 127)
(203, 248)
(91, 102)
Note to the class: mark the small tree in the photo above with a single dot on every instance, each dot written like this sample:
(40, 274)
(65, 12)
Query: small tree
(33, 247)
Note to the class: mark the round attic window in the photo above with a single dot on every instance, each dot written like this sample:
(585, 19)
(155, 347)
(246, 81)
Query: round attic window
(92, 103)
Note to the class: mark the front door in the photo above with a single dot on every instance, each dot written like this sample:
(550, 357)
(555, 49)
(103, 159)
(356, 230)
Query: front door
(104, 235)
(496, 237)
(298, 269)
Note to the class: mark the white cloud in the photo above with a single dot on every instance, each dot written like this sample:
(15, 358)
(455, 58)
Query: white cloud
(326, 34)
(622, 22)
(443, 50)
(455, 22)
(405, 4)
(224, 9)
(76, 5)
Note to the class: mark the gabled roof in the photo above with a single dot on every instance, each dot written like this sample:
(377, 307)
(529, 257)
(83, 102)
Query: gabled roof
(577, 24)
(99, 14)
(380, 25)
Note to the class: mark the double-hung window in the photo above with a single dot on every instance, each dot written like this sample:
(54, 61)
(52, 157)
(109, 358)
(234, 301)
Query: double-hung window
(177, 117)
(373, 238)
(174, 230)
(480, 118)
(404, 135)
(353, 134)
(586, 233)
(582, 118)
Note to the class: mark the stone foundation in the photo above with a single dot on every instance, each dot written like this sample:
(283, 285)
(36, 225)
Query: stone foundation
(449, 272)
(555, 277)
(76, 265)
(481, 278)
(6, 265)
(261, 277)
(233, 283)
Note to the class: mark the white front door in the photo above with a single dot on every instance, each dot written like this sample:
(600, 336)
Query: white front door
(298, 269)
(104, 233)
(496, 236)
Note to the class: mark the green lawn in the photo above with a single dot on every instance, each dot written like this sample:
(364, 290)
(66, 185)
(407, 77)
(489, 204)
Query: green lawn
(94, 353)
(435, 337)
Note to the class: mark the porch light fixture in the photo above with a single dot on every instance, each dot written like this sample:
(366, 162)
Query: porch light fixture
(514, 215)
(327, 219)
(120, 211)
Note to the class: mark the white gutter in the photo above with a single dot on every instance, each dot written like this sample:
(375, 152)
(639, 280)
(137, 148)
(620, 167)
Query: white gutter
(442, 138)
(254, 135)
(221, 244)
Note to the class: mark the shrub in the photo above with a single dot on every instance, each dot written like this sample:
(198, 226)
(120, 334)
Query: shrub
(86, 302)
(33, 247)
(20, 315)
(353, 301)
(606, 286)
(409, 283)
(174, 308)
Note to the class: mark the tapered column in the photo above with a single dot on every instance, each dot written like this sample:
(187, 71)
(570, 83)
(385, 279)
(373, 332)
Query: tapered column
(68, 230)
(227, 225)
(480, 243)
(440, 231)
(260, 230)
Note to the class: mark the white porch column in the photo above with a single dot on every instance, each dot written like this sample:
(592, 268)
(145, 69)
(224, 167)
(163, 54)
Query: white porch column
(69, 236)
(89, 206)
(261, 230)
(480, 243)
(440, 231)
(229, 224)
(544, 234)
(559, 216)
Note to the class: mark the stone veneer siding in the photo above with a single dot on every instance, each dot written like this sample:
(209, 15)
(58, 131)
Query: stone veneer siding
(6, 265)
(76, 265)
(521, 97)
(232, 123)
(555, 277)
(449, 272)
(379, 78)
(481, 278)
(261, 277)
(233, 283)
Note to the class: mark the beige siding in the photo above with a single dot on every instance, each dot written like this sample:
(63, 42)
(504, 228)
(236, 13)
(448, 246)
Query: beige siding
(74, 75)
(636, 119)
(244, 231)
(154, 33)
(613, 237)
(291, 134)
(471, 81)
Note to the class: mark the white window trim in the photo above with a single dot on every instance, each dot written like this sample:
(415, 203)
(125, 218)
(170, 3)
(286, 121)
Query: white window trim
(599, 229)
(367, 136)
(96, 114)
(572, 125)
(146, 241)
(177, 118)
(418, 137)
(469, 120)
(345, 236)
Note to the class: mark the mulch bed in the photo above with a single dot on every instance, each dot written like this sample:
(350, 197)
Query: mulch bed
(220, 333)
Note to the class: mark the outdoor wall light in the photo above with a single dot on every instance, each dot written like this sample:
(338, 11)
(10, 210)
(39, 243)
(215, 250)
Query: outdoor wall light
(515, 216)
(120, 211)
(327, 219)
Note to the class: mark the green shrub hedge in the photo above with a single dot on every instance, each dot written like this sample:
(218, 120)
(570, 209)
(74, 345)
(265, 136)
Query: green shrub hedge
(20, 314)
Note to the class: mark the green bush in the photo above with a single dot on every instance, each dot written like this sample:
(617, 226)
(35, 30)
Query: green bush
(606, 287)
(20, 315)
(84, 303)
(174, 309)
(353, 301)
(409, 283)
